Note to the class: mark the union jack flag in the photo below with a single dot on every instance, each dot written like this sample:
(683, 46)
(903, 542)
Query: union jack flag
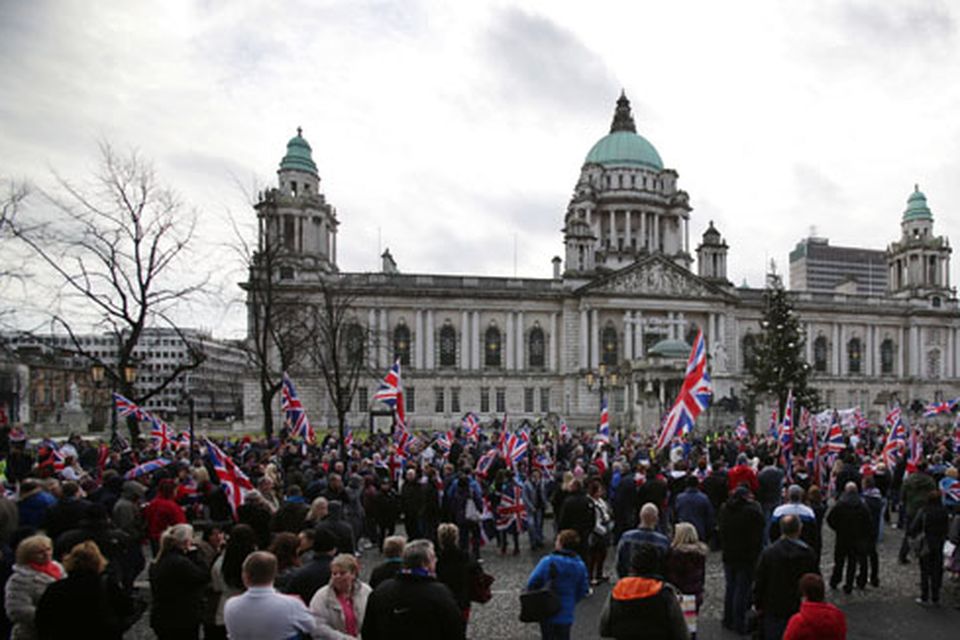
(391, 393)
(56, 456)
(396, 463)
(403, 439)
(126, 407)
(515, 447)
(564, 429)
(160, 433)
(915, 445)
(543, 462)
(950, 488)
(445, 441)
(234, 481)
(603, 431)
(182, 440)
(774, 422)
(694, 396)
(471, 426)
(147, 467)
(896, 438)
(511, 511)
(741, 430)
(834, 442)
(485, 462)
(347, 437)
(294, 415)
(937, 408)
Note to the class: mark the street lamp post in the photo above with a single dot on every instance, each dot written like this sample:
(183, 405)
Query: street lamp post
(602, 378)
(98, 372)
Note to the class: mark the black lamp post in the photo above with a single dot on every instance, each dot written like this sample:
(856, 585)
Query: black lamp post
(98, 373)
(602, 378)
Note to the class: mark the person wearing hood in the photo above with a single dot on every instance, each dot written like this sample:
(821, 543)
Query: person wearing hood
(816, 620)
(643, 604)
(741, 539)
(569, 581)
(850, 519)
(876, 505)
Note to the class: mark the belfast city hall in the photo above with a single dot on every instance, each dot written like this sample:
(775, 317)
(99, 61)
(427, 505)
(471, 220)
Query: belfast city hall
(626, 298)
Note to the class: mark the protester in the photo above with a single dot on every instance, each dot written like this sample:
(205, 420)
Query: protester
(227, 570)
(284, 548)
(598, 539)
(414, 604)
(162, 512)
(930, 526)
(816, 620)
(645, 533)
(915, 490)
(850, 519)
(642, 604)
(876, 505)
(693, 506)
(340, 605)
(309, 578)
(577, 513)
(568, 579)
(86, 599)
(392, 560)
(687, 562)
(776, 592)
(34, 571)
(261, 612)
(177, 581)
(741, 537)
(454, 566)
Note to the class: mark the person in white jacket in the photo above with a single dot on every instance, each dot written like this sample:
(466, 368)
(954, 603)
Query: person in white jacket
(339, 606)
(261, 612)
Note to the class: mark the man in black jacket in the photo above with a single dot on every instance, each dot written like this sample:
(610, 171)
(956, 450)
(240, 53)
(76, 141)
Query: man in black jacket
(850, 519)
(741, 538)
(414, 604)
(308, 579)
(577, 513)
(776, 592)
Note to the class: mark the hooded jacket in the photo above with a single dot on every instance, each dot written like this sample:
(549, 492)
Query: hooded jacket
(817, 621)
(643, 607)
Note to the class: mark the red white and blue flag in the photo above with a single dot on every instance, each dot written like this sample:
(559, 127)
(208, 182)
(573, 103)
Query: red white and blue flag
(695, 395)
(391, 393)
(511, 511)
(603, 431)
(515, 447)
(896, 438)
(485, 462)
(938, 408)
(160, 433)
(445, 441)
(234, 481)
(347, 436)
(774, 422)
(834, 442)
(146, 468)
(741, 431)
(471, 426)
(126, 407)
(294, 415)
(785, 437)
(915, 448)
(543, 462)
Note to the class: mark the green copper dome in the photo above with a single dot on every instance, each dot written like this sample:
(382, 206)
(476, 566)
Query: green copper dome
(299, 155)
(623, 145)
(670, 349)
(917, 208)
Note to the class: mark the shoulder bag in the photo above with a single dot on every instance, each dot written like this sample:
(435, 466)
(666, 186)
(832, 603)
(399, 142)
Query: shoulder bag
(537, 605)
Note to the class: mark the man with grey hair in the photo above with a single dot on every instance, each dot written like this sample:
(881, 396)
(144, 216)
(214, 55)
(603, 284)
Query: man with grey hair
(645, 533)
(414, 604)
(261, 611)
(850, 519)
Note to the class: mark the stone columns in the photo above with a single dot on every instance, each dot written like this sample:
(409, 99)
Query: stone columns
(809, 345)
(464, 340)
(552, 353)
(429, 356)
(372, 338)
(418, 340)
(507, 336)
(594, 338)
(900, 370)
(835, 352)
(638, 343)
(475, 361)
(519, 331)
(628, 233)
(584, 345)
(627, 336)
(868, 351)
(914, 350)
(643, 230)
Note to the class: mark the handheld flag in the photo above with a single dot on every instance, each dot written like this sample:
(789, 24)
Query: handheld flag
(232, 479)
(294, 415)
(694, 396)
(391, 393)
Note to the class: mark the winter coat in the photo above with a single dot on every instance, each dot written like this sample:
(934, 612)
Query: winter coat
(413, 606)
(687, 569)
(161, 513)
(850, 518)
(740, 474)
(817, 621)
(631, 541)
(23, 591)
(325, 606)
(387, 569)
(643, 607)
(310, 578)
(291, 516)
(577, 513)
(33, 507)
(454, 569)
(741, 530)
(87, 601)
(570, 584)
(177, 584)
(694, 506)
(776, 589)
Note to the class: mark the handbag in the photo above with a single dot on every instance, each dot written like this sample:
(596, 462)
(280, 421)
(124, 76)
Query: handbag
(479, 587)
(472, 514)
(537, 605)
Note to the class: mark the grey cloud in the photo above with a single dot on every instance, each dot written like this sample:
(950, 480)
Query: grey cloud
(885, 24)
(814, 187)
(537, 60)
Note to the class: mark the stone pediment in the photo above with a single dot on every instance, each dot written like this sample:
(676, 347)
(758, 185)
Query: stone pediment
(654, 276)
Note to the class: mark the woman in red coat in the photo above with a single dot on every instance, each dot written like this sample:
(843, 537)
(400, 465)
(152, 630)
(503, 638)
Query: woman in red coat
(816, 620)
(162, 512)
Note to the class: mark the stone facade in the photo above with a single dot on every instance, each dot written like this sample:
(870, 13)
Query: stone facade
(625, 303)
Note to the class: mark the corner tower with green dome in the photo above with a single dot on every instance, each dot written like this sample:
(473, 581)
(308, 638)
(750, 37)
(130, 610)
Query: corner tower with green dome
(297, 227)
(919, 262)
(625, 205)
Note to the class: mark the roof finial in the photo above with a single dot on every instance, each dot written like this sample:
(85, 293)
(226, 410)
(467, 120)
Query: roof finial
(916, 187)
(622, 117)
(299, 132)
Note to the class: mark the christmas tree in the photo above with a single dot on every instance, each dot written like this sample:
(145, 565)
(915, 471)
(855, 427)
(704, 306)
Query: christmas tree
(777, 362)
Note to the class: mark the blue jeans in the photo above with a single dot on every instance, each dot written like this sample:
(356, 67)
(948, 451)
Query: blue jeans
(738, 595)
(535, 522)
(551, 631)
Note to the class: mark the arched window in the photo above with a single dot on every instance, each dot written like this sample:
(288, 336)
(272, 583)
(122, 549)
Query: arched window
(401, 344)
(448, 346)
(354, 344)
(854, 355)
(491, 347)
(820, 354)
(608, 346)
(749, 348)
(886, 357)
(536, 348)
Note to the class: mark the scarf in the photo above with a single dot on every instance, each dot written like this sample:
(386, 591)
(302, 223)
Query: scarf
(51, 569)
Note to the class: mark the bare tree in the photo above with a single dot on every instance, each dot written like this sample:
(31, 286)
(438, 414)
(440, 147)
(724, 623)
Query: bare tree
(117, 249)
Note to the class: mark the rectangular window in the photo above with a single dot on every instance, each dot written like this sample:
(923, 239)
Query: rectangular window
(528, 400)
(438, 404)
(411, 399)
(618, 400)
(363, 401)
(484, 400)
(455, 400)
(545, 400)
(501, 400)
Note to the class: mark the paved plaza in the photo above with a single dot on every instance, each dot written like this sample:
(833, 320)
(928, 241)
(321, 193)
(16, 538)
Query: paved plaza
(874, 614)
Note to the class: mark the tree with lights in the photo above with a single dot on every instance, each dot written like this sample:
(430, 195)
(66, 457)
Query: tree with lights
(778, 363)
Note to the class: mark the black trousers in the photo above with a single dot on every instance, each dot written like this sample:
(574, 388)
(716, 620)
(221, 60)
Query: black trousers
(846, 555)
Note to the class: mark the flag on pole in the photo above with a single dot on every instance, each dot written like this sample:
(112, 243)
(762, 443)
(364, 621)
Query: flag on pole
(234, 481)
(511, 511)
(896, 438)
(485, 462)
(126, 407)
(741, 431)
(774, 422)
(294, 415)
(603, 431)
(471, 426)
(161, 434)
(786, 436)
(694, 396)
(390, 393)
(915, 446)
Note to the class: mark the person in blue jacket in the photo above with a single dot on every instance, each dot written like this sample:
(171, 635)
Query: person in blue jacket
(570, 583)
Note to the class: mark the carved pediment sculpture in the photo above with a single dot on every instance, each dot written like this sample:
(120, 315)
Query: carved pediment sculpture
(655, 278)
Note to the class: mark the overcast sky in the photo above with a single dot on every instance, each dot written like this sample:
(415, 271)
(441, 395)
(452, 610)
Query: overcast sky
(446, 130)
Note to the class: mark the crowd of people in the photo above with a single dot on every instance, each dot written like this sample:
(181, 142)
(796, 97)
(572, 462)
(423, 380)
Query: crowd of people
(267, 545)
